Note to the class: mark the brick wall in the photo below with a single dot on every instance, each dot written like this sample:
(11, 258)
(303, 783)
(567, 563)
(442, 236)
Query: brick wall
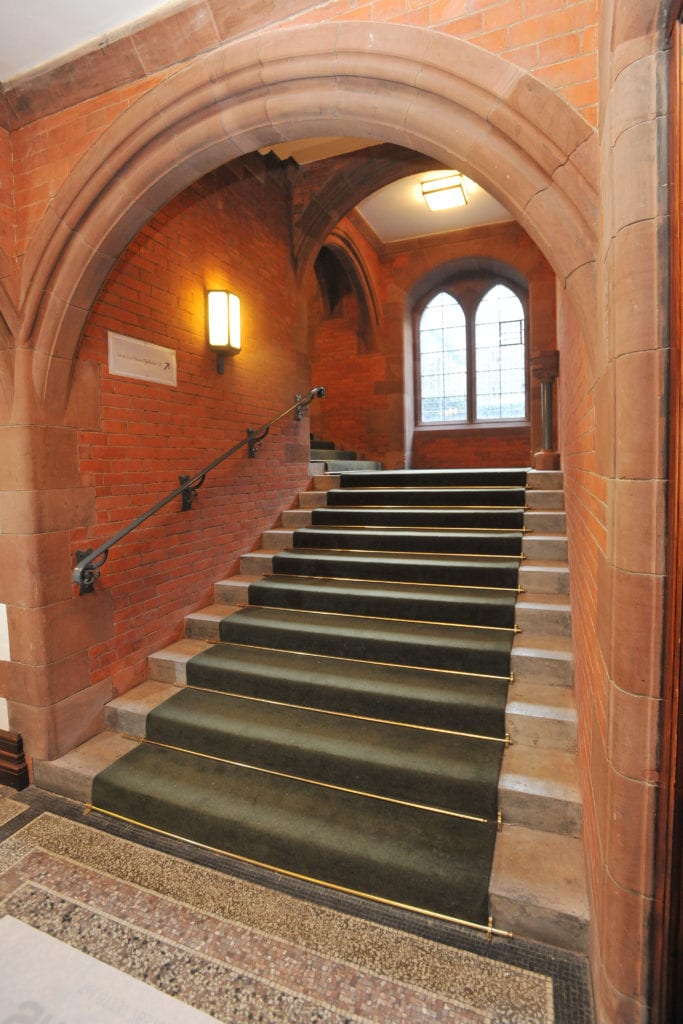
(223, 232)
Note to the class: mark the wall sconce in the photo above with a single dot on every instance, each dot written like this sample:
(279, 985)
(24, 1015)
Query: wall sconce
(224, 326)
(444, 193)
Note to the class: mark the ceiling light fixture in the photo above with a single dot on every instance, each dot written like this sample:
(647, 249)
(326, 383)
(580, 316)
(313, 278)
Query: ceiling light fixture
(445, 193)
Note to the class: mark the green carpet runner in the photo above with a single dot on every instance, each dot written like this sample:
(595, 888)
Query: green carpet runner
(349, 727)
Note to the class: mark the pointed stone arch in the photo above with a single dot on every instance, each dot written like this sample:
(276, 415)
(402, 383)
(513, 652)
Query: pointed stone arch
(413, 87)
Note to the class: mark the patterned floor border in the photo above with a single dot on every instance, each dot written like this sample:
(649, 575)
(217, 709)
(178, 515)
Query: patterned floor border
(526, 983)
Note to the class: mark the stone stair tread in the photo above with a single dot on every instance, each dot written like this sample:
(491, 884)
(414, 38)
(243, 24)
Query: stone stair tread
(277, 539)
(128, 713)
(537, 700)
(544, 479)
(550, 773)
(168, 664)
(215, 611)
(72, 774)
(204, 623)
(357, 465)
(544, 577)
(539, 789)
(312, 499)
(235, 589)
(538, 887)
(242, 578)
(554, 602)
(551, 500)
(555, 647)
(293, 517)
(544, 565)
(542, 716)
(325, 482)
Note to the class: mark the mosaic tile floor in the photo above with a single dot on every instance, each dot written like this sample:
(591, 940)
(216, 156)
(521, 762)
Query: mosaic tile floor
(243, 945)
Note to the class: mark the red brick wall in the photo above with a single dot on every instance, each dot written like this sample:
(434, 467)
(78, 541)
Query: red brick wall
(434, 448)
(214, 235)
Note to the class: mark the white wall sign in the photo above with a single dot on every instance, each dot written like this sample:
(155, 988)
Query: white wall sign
(129, 357)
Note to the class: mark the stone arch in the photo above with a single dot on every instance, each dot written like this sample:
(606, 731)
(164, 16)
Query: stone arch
(344, 249)
(414, 87)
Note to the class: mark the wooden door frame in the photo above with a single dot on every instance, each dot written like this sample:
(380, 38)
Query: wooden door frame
(667, 945)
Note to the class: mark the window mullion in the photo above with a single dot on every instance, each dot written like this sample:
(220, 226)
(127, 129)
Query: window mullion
(471, 369)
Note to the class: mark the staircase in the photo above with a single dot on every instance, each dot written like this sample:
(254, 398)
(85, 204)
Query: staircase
(371, 714)
(330, 459)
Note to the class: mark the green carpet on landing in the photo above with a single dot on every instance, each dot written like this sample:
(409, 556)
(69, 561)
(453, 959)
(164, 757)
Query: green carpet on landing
(348, 728)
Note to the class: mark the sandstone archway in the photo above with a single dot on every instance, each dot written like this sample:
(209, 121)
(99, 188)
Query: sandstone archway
(413, 87)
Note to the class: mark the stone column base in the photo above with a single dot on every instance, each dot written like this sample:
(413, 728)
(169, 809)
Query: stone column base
(546, 459)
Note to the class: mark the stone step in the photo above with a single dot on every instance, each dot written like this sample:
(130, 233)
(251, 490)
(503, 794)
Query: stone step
(235, 589)
(547, 614)
(539, 789)
(277, 539)
(542, 659)
(545, 499)
(325, 481)
(352, 466)
(295, 518)
(538, 577)
(312, 499)
(542, 716)
(72, 774)
(168, 665)
(259, 563)
(128, 713)
(325, 454)
(544, 480)
(538, 887)
(548, 547)
(203, 624)
(546, 521)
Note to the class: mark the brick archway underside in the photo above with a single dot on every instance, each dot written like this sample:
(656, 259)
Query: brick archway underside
(413, 87)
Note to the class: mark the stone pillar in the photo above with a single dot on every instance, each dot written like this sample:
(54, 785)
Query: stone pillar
(545, 368)
(47, 694)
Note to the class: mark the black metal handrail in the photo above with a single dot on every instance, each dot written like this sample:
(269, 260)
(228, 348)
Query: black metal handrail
(89, 563)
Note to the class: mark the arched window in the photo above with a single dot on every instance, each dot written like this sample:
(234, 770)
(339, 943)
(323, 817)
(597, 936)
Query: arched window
(443, 361)
(499, 356)
(471, 354)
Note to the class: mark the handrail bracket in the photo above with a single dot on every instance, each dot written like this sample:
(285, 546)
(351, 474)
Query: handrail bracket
(190, 486)
(90, 571)
(255, 440)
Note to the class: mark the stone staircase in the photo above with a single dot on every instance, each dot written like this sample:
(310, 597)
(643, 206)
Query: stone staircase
(537, 885)
(326, 457)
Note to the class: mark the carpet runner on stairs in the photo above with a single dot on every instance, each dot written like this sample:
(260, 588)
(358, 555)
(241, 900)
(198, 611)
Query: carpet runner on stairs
(349, 726)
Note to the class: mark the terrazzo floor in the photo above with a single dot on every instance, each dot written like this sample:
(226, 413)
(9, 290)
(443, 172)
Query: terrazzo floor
(244, 946)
